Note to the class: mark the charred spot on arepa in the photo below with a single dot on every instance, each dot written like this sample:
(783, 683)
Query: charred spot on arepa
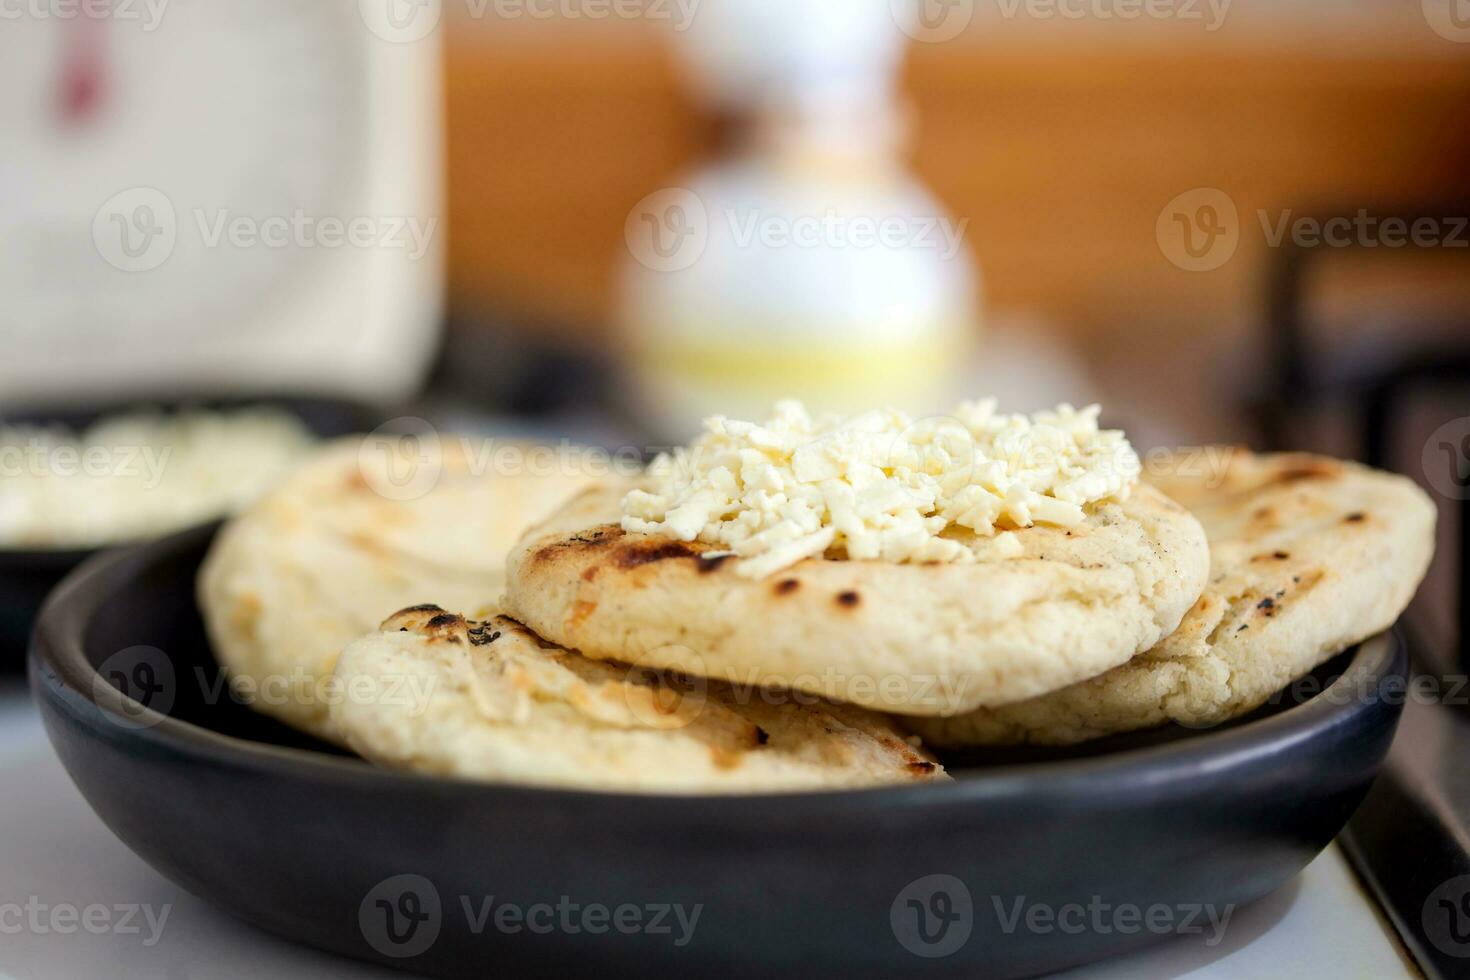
(650, 552)
(1356, 517)
(1306, 468)
(786, 586)
(710, 563)
(849, 599)
(589, 540)
(483, 634)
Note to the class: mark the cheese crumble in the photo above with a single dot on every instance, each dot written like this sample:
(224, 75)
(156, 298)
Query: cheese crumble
(880, 485)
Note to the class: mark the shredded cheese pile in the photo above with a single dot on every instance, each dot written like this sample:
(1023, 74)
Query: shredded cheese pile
(879, 485)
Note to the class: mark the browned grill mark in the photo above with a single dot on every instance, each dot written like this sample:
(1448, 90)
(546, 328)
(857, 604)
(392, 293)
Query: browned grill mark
(707, 565)
(590, 572)
(1273, 556)
(596, 537)
(1355, 517)
(1306, 470)
(921, 767)
(426, 608)
(787, 586)
(580, 611)
(442, 621)
(849, 599)
(724, 758)
(1267, 606)
(647, 554)
(483, 634)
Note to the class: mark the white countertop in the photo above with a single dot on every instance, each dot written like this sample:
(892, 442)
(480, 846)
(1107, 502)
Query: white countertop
(55, 852)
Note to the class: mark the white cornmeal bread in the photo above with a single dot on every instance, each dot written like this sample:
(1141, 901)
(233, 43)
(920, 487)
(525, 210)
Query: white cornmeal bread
(434, 693)
(358, 532)
(1309, 556)
(1036, 609)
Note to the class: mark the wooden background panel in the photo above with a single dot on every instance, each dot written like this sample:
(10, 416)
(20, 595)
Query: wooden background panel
(1061, 156)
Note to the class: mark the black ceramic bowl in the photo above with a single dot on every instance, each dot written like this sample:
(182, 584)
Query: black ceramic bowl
(26, 576)
(417, 872)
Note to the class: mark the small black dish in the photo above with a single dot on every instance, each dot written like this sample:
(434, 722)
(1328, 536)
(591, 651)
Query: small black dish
(996, 874)
(27, 575)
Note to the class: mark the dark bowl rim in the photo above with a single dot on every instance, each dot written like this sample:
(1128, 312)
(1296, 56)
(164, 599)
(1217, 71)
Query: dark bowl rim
(63, 678)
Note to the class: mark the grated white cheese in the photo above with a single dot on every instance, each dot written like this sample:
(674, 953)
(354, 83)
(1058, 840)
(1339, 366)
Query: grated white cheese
(880, 485)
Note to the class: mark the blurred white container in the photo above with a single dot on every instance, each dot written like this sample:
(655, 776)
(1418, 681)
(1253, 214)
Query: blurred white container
(811, 264)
